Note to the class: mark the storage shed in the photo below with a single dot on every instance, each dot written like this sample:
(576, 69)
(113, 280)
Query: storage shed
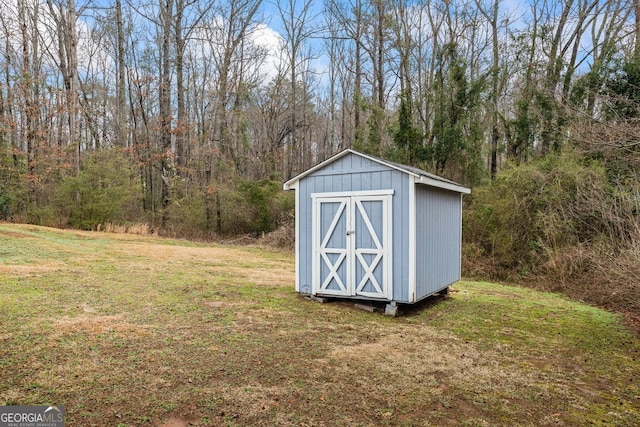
(371, 229)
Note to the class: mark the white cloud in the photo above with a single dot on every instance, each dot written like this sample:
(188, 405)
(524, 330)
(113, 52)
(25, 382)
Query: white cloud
(272, 43)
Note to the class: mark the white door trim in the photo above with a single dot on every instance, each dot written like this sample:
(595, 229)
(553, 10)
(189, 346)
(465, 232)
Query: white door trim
(320, 250)
(382, 252)
(353, 193)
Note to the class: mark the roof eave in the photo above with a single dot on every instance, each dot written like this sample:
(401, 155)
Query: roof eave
(290, 185)
(442, 184)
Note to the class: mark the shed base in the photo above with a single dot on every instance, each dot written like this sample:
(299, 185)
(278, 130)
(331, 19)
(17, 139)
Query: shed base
(444, 292)
(315, 298)
(391, 309)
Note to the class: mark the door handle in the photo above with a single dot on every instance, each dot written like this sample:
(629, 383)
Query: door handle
(349, 233)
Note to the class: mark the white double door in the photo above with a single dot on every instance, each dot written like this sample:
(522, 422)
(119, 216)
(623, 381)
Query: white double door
(352, 244)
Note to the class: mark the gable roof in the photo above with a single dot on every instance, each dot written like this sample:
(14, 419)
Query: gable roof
(421, 176)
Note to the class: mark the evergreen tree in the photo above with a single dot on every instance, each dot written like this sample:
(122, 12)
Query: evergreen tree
(456, 133)
(406, 137)
(623, 91)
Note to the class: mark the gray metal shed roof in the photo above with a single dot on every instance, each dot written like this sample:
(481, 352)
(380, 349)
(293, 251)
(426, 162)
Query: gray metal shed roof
(422, 177)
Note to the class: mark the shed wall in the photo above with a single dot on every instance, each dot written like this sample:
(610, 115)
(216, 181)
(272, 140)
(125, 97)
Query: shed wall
(356, 173)
(438, 239)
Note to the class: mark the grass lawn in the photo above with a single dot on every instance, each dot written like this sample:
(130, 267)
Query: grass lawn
(139, 331)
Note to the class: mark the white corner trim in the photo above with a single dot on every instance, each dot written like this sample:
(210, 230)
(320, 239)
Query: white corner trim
(297, 242)
(412, 239)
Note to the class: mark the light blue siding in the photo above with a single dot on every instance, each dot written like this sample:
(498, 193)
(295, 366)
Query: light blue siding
(438, 234)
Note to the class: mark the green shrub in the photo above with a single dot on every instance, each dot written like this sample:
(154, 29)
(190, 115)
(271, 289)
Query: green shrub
(6, 201)
(104, 191)
(47, 215)
(187, 216)
(530, 211)
(258, 195)
(267, 204)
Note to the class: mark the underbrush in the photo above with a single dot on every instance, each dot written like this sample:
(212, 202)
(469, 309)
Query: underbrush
(596, 274)
(281, 238)
(142, 229)
(562, 223)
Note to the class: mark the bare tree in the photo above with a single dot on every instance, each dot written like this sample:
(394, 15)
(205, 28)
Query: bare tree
(351, 17)
(404, 43)
(335, 51)
(188, 16)
(27, 18)
(226, 35)
(607, 33)
(7, 127)
(121, 102)
(584, 19)
(297, 23)
(64, 15)
(492, 18)
(636, 12)
(167, 167)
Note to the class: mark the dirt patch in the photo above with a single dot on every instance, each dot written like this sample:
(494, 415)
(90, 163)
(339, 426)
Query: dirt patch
(39, 268)
(229, 261)
(632, 320)
(181, 253)
(95, 325)
(217, 304)
(15, 234)
(502, 294)
(462, 363)
(175, 422)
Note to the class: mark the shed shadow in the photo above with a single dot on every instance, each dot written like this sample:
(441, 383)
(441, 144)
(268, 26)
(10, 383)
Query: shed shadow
(378, 307)
(420, 307)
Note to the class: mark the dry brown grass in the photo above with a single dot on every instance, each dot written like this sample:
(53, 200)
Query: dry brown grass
(96, 325)
(282, 238)
(30, 270)
(597, 275)
(136, 229)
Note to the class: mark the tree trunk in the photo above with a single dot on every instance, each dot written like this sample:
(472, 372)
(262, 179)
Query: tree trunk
(495, 85)
(181, 149)
(636, 9)
(29, 113)
(166, 162)
(73, 87)
(65, 19)
(121, 106)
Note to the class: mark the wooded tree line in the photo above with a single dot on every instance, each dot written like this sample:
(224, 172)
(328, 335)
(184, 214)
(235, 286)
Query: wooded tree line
(182, 114)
